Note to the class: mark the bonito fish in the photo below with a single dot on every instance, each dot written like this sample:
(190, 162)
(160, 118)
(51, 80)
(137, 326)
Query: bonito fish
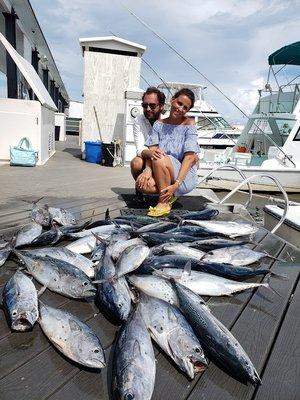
(173, 334)
(218, 343)
(134, 367)
(64, 254)
(237, 255)
(59, 276)
(20, 302)
(75, 339)
(231, 229)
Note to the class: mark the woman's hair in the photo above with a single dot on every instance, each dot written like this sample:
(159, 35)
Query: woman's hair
(186, 92)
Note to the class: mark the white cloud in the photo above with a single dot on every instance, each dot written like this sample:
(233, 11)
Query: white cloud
(227, 40)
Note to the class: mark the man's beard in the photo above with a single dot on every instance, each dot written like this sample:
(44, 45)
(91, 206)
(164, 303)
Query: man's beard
(153, 118)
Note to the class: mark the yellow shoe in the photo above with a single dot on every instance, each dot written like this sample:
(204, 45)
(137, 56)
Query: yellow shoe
(173, 199)
(158, 212)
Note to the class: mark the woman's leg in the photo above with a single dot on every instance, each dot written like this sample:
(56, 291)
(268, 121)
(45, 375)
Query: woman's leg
(136, 166)
(163, 172)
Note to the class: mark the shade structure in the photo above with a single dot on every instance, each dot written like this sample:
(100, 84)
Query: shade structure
(289, 54)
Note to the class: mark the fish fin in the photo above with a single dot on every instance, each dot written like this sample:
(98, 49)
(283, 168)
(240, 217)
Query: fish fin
(41, 291)
(181, 221)
(107, 216)
(136, 349)
(100, 239)
(279, 276)
(171, 315)
(187, 268)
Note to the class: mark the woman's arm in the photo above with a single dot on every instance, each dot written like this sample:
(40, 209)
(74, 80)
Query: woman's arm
(188, 162)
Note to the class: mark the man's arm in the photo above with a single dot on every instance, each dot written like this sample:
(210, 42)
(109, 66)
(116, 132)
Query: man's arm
(138, 136)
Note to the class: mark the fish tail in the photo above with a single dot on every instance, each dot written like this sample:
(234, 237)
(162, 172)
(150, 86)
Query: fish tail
(267, 285)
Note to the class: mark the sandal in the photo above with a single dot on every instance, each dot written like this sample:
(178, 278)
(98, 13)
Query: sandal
(158, 212)
(172, 200)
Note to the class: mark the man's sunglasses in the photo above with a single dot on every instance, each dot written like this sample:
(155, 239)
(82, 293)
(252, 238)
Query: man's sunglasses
(151, 105)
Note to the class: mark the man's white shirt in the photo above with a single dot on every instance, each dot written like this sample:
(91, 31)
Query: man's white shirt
(141, 131)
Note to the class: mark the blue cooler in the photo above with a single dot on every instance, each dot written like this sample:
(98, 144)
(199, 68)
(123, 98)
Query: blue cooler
(93, 152)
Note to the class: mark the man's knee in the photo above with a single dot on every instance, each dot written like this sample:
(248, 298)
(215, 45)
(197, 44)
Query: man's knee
(136, 164)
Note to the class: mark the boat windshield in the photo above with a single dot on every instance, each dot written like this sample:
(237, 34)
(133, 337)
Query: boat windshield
(277, 128)
(212, 123)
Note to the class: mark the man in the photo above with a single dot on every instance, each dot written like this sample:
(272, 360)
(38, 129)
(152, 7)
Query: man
(153, 102)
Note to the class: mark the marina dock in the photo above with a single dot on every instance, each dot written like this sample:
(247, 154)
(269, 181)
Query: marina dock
(265, 322)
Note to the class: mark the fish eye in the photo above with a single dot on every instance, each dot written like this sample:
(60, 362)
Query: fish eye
(96, 351)
(197, 350)
(129, 396)
(14, 313)
(85, 283)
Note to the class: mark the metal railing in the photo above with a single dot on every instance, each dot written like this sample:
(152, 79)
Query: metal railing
(247, 181)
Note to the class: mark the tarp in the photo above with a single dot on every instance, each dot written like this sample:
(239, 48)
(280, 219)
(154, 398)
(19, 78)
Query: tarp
(289, 54)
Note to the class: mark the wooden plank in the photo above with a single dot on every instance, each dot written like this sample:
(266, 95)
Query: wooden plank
(33, 343)
(169, 380)
(256, 330)
(281, 376)
(85, 384)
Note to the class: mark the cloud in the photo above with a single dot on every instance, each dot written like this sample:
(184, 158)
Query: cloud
(228, 41)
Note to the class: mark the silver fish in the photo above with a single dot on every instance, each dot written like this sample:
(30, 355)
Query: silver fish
(114, 296)
(218, 343)
(206, 284)
(131, 258)
(121, 245)
(154, 286)
(173, 334)
(64, 254)
(28, 233)
(231, 229)
(5, 251)
(178, 248)
(40, 214)
(62, 216)
(238, 255)
(75, 339)
(104, 231)
(20, 302)
(134, 361)
(59, 276)
(88, 243)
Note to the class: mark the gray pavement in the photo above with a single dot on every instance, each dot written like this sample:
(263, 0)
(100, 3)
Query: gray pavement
(65, 175)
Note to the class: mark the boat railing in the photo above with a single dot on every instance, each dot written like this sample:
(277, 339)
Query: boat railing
(239, 171)
(278, 184)
(247, 181)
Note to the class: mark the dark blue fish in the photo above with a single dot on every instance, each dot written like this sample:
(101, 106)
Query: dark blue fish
(218, 343)
(176, 261)
(113, 295)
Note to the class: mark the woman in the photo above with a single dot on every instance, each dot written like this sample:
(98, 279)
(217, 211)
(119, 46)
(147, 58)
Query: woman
(172, 149)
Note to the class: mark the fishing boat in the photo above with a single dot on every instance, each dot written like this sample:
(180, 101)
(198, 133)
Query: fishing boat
(214, 132)
(270, 141)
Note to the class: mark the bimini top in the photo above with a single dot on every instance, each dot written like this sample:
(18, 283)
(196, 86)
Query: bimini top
(289, 54)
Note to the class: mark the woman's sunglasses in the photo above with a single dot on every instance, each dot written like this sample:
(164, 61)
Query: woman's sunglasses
(152, 106)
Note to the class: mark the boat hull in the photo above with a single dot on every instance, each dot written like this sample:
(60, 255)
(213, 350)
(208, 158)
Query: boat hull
(229, 179)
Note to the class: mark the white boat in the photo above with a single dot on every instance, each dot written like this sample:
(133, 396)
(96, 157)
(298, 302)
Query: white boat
(214, 132)
(270, 141)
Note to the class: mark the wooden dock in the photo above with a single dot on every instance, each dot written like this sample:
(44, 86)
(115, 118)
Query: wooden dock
(266, 324)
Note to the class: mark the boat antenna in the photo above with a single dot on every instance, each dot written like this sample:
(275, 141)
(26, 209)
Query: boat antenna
(156, 74)
(145, 80)
(204, 76)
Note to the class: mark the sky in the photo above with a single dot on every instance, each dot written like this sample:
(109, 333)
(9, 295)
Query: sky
(228, 41)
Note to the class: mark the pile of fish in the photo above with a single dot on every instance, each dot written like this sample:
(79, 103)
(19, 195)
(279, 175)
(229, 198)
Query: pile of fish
(145, 275)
